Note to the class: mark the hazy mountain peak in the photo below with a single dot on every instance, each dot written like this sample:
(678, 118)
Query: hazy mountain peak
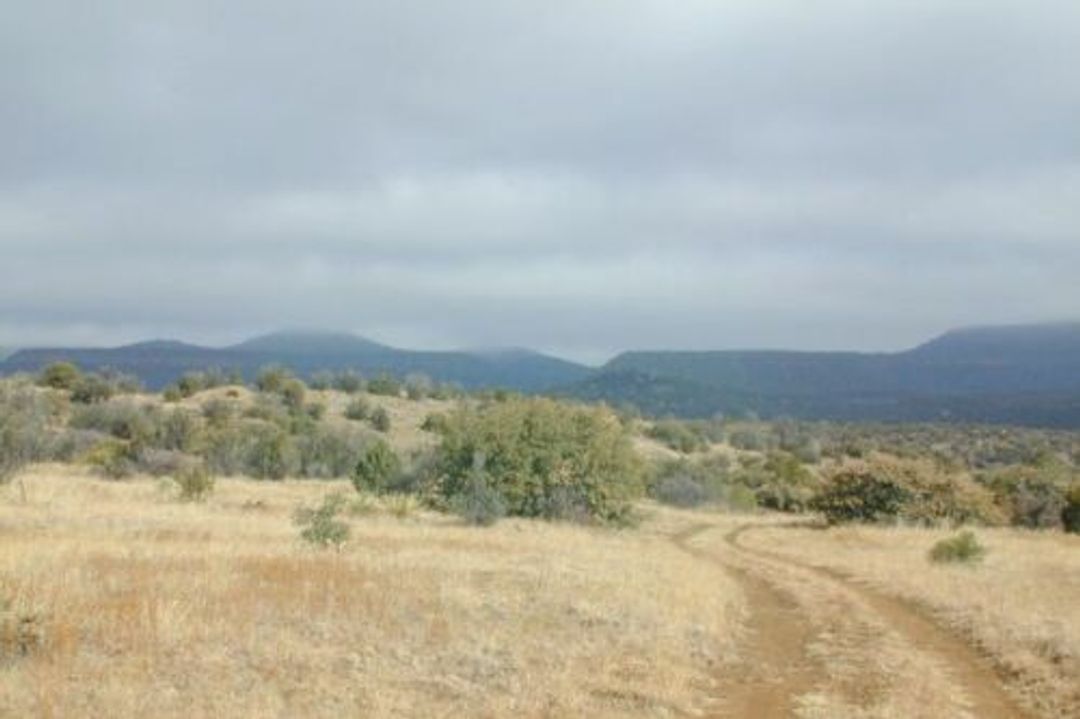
(307, 341)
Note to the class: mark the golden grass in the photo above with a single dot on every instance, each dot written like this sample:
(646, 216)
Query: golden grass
(146, 607)
(1021, 604)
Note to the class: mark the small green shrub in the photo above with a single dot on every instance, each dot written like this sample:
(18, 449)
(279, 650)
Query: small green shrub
(113, 458)
(377, 469)
(195, 483)
(380, 420)
(60, 375)
(92, 388)
(478, 503)
(358, 409)
(964, 548)
(680, 491)
(320, 526)
(348, 382)
(1070, 515)
(384, 385)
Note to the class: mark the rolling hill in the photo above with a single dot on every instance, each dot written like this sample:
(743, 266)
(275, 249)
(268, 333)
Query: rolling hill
(1026, 374)
(160, 362)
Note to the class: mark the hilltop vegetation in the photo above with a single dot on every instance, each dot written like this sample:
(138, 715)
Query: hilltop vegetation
(488, 455)
(1023, 375)
(1027, 375)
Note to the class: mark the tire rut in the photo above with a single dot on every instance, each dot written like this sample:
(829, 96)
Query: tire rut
(967, 668)
(775, 667)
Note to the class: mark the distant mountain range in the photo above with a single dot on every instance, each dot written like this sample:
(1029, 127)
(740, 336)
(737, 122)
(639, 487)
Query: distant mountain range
(1025, 374)
(159, 362)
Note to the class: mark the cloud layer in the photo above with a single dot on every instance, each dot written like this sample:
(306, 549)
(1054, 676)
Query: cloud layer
(580, 177)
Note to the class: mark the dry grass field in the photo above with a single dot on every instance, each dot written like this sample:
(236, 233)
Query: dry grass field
(121, 602)
(117, 600)
(1020, 605)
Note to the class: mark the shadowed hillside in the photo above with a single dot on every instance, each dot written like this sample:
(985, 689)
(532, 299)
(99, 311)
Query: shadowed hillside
(158, 363)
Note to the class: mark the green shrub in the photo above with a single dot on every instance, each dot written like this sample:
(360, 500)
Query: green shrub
(191, 383)
(24, 418)
(680, 491)
(271, 379)
(418, 386)
(293, 392)
(60, 375)
(859, 491)
(320, 526)
(434, 423)
(358, 409)
(544, 458)
(179, 430)
(271, 455)
(1031, 496)
(380, 420)
(114, 458)
(477, 502)
(195, 483)
(883, 488)
(677, 435)
(92, 388)
(1070, 515)
(377, 469)
(384, 385)
(964, 548)
(348, 382)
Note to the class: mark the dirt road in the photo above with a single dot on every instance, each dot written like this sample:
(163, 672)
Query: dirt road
(784, 669)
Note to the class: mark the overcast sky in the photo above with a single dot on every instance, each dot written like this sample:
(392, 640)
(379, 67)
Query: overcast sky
(580, 177)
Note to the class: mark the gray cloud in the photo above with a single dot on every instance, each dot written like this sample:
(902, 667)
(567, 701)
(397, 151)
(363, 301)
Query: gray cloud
(581, 177)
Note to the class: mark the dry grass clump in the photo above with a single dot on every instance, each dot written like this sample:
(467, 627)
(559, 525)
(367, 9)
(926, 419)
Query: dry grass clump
(1019, 603)
(150, 607)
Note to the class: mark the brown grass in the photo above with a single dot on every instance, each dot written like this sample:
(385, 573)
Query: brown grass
(1021, 604)
(147, 607)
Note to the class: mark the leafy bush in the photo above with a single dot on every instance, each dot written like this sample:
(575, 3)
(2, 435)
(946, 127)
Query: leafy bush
(320, 526)
(60, 375)
(544, 458)
(1031, 496)
(179, 430)
(434, 423)
(348, 382)
(195, 483)
(384, 385)
(114, 458)
(92, 388)
(271, 455)
(478, 503)
(964, 548)
(1070, 515)
(676, 435)
(377, 469)
(358, 409)
(24, 417)
(272, 379)
(328, 451)
(418, 386)
(380, 420)
(680, 491)
(883, 487)
(122, 419)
